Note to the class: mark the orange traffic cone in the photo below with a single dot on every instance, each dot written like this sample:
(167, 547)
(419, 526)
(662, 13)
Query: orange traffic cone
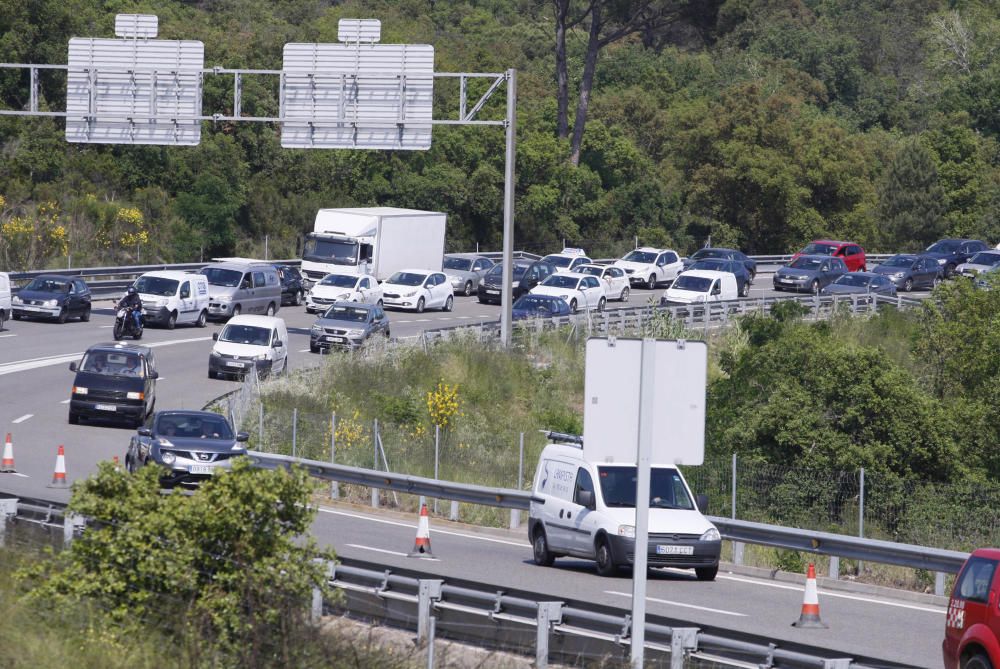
(7, 464)
(59, 476)
(422, 544)
(810, 603)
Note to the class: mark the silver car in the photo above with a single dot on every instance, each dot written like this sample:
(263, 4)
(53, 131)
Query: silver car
(464, 270)
(983, 261)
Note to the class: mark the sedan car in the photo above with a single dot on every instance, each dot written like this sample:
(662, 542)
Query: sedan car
(908, 271)
(711, 253)
(539, 306)
(292, 290)
(950, 253)
(861, 283)
(743, 277)
(651, 266)
(809, 273)
(464, 270)
(568, 259)
(615, 280)
(52, 296)
(343, 288)
(983, 261)
(526, 275)
(348, 325)
(577, 290)
(189, 446)
(418, 289)
(115, 382)
(852, 254)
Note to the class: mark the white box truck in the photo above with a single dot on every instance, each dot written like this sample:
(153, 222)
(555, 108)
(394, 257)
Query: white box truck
(373, 240)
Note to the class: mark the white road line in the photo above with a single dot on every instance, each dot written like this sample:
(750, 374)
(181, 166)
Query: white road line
(22, 418)
(402, 321)
(521, 544)
(105, 327)
(5, 336)
(426, 320)
(382, 550)
(24, 476)
(303, 350)
(64, 402)
(673, 603)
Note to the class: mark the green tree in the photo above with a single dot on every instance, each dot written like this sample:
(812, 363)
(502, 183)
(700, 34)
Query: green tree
(911, 199)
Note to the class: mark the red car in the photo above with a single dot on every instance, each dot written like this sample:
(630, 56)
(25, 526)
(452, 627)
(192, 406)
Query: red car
(972, 625)
(853, 254)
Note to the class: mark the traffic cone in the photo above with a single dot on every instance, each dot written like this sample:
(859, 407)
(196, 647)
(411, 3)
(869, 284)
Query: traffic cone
(114, 461)
(59, 476)
(422, 544)
(810, 603)
(7, 464)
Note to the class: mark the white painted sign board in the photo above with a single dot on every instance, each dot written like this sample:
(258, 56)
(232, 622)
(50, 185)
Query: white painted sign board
(611, 401)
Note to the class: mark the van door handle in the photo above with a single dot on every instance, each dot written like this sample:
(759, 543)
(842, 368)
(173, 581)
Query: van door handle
(561, 511)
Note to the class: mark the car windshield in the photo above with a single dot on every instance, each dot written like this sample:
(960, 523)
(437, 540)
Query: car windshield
(989, 258)
(944, 246)
(156, 285)
(853, 280)
(458, 264)
(43, 285)
(112, 363)
(666, 488)
(334, 251)
(640, 256)
(899, 261)
(556, 281)
(519, 270)
(558, 261)
(807, 263)
(222, 277)
(709, 253)
(246, 334)
(339, 281)
(592, 271)
(352, 314)
(193, 427)
(698, 284)
(407, 279)
(537, 303)
(819, 249)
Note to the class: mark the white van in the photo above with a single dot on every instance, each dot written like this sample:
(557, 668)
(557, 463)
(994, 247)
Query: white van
(5, 306)
(589, 512)
(247, 342)
(170, 298)
(697, 286)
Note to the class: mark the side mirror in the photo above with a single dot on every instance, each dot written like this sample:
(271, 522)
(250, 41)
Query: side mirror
(72, 366)
(145, 432)
(277, 344)
(154, 375)
(242, 436)
(701, 501)
(215, 336)
(586, 498)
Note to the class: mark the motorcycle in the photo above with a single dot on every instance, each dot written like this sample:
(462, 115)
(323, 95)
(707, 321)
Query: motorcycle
(125, 325)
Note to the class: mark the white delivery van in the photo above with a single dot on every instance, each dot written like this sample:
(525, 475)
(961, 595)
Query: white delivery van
(4, 298)
(697, 286)
(248, 342)
(170, 298)
(588, 511)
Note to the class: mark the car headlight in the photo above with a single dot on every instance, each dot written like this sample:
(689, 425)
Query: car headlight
(316, 328)
(410, 294)
(261, 356)
(224, 298)
(215, 354)
(355, 333)
(343, 296)
(168, 457)
(899, 275)
(18, 300)
(79, 390)
(135, 396)
(627, 531)
(482, 282)
(942, 261)
(564, 297)
(238, 447)
(51, 303)
(711, 534)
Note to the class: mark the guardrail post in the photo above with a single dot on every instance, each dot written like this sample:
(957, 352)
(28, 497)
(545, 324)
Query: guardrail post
(939, 583)
(71, 522)
(431, 633)
(835, 567)
(549, 613)
(453, 515)
(334, 486)
(838, 663)
(429, 592)
(316, 609)
(682, 641)
(8, 509)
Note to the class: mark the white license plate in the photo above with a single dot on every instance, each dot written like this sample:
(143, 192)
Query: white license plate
(106, 407)
(202, 469)
(336, 339)
(493, 291)
(236, 364)
(785, 281)
(675, 550)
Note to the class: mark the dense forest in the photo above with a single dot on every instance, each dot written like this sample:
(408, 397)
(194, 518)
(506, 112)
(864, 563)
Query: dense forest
(756, 123)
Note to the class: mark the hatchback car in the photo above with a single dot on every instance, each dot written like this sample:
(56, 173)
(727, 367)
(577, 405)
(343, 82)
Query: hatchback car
(526, 274)
(983, 261)
(908, 271)
(711, 253)
(52, 296)
(580, 291)
(292, 290)
(809, 273)
(852, 254)
(743, 277)
(950, 253)
(464, 270)
(651, 266)
(616, 282)
(347, 325)
(860, 283)
(539, 306)
(343, 288)
(418, 289)
(115, 382)
(189, 446)
(568, 259)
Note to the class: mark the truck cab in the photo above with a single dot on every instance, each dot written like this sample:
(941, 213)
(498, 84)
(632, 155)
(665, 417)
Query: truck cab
(972, 624)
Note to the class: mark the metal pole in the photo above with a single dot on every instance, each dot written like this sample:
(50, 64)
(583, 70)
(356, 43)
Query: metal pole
(437, 452)
(506, 294)
(515, 514)
(549, 613)
(295, 427)
(861, 515)
(431, 629)
(737, 545)
(334, 486)
(644, 448)
(375, 463)
(260, 426)
(265, 247)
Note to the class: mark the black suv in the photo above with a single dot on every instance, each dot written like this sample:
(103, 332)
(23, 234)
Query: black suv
(115, 382)
(292, 291)
(52, 296)
(527, 274)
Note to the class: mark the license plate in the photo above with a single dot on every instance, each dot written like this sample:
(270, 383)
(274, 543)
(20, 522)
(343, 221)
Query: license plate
(493, 291)
(202, 469)
(785, 281)
(675, 550)
(105, 407)
(336, 339)
(235, 364)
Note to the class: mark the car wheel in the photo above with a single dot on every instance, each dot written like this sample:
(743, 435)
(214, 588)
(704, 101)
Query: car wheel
(420, 306)
(313, 348)
(61, 318)
(949, 271)
(605, 563)
(270, 308)
(600, 304)
(540, 550)
(74, 418)
(16, 316)
(3, 318)
(468, 288)
(171, 320)
(572, 306)
(380, 302)
(482, 300)
(651, 283)
(977, 661)
(706, 573)
(297, 298)
(449, 303)
(237, 310)
(85, 316)
(746, 290)
(908, 285)
(202, 319)
(815, 287)
(624, 296)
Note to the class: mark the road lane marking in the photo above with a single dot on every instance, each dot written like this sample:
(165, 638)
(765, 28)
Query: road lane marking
(8, 335)
(382, 550)
(64, 402)
(359, 516)
(303, 350)
(24, 476)
(48, 361)
(673, 603)
(22, 418)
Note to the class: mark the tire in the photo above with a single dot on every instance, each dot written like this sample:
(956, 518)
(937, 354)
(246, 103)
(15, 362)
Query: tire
(468, 288)
(449, 304)
(3, 318)
(706, 573)
(540, 550)
(74, 418)
(270, 309)
(380, 303)
(814, 289)
(171, 320)
(63, 314)
(600, 304)
(778, 289)
(297, 298)
(624, 296)
(84, 317)
(651, 283)
(117, 331)
(746, 290)
(420, 306)
(313, 349)
(202, 319)
(949, 271)
(16, 317)
(603, 559)
(481, 301)
(211, 374)
(977, 661)
(908, 285)
(572, 306)
(237, 310)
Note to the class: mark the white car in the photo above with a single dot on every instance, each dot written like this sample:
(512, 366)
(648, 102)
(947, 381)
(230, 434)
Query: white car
(418, 289)
(343, 288)
(615, 279)
(651, 266)
(568, 259)
(577, 290)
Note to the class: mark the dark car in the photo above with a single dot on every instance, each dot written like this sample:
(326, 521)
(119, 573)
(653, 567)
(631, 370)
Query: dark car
(292, 291)
(526, 275)
(348, 325)
(711, 253)
(114, 382)
(539, 306)
(734, 267)
(190, 446)
(908, 271)
(52, 296)
(861, 283)
(950, 253)
(809, 273)
(852, 254)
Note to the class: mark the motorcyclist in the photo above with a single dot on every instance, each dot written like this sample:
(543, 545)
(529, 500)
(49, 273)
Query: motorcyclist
(132, 301)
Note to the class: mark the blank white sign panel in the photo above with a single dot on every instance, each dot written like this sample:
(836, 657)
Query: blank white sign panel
(611, 401)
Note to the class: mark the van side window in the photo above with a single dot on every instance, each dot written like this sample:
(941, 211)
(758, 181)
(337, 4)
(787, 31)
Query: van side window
(247, 281)
(258, 279)
(186, 289)
(583, 482)
(272, 278)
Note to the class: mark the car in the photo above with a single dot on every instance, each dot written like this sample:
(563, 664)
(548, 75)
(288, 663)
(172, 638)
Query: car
(809, 273)
(539, 306)
(526, 274)
(189, 446)
(464, 270)
(983, 261)
(249, 342)
(852, 254)
(52, 296)
(860, 283)
(292, 287)
(972, 622)
(713, 253)
(343, 288)
(698, 286)
(418, 289)
(615, 279)
(568, 259)
(743, 277)
(950, 253)
(987, 280)
(4, 298)
(650, 267)
(348, 325)
(908, 271)
(114, 382)
(578, 290)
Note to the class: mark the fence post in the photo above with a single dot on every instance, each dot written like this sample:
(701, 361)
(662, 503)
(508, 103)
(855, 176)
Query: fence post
(737, 545)
(375, 461)
(431, 633)
(515, 514)
(295, 428)
(437, 452)
(8, 509)
(260, 426)
(429, 591)
(549, 613)
(71, 522)
(861, 515)
(334, 486)
(454, 511)
(316, 610)
(683, 640)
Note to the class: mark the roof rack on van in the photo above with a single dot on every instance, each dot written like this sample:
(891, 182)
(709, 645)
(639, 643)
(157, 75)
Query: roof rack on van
(563, 438)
